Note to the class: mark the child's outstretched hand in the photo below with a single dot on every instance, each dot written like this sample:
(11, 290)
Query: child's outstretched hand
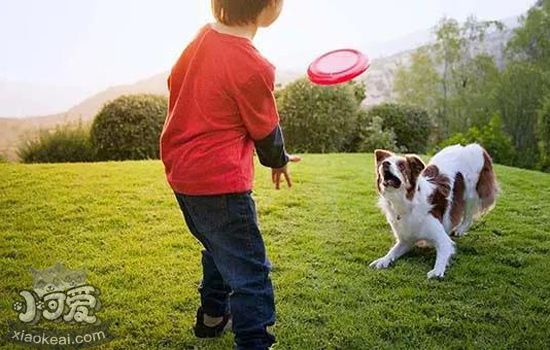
(276, 173)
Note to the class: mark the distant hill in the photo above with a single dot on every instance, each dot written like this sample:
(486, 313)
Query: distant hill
(379, 81)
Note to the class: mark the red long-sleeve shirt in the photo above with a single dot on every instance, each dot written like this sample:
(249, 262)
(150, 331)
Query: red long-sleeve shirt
(221, 102)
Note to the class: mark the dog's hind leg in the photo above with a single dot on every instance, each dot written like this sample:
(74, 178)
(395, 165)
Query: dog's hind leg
(394, 253)
(444, 248)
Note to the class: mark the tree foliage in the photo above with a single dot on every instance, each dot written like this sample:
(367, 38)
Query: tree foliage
(543, 128)
(525, 84)
(519, 97)
(531, 41)
(463, 88)
(418, 84)
(450, 79)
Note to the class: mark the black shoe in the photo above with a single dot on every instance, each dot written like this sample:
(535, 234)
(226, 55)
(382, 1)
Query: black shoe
(203, 331)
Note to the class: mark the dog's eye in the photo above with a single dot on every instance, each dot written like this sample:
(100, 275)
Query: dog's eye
(401, 166)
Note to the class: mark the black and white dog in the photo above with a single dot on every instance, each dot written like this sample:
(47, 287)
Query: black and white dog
(424, 205)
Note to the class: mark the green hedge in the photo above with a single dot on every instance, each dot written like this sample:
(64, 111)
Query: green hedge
(66, 143)
(317, 118)
(374, 136)
(129, 128)
(411, 125)
(492, 137)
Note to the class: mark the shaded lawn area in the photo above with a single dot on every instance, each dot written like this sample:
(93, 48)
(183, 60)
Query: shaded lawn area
(120, 222)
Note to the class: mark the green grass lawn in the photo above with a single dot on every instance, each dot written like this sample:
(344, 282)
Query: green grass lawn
(121, 222)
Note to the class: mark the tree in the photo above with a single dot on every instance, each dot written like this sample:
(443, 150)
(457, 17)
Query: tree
(418, 84)
(468, 76)
(519, 97)
(474, 100)
(448, 51)
(450, 78)
(471, 88)
(531, 41)
(543, 129)
(522, 96)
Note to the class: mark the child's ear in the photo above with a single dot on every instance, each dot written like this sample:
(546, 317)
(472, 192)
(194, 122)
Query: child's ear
(381, 154)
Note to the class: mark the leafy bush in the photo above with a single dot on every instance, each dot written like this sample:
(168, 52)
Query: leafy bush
(129, 127)
(66, 143)
(374, 136)
(316, 118)
(412, 125)
(357, 134)
(492, 137)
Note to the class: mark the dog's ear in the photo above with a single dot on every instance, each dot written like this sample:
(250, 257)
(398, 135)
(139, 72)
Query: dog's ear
(381, 154)
(416, 165)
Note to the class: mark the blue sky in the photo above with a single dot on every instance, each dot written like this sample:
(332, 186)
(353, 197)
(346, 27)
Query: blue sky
(93, 44)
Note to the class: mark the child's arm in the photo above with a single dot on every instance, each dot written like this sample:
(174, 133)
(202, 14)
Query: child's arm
(258, 110)
(271, 149)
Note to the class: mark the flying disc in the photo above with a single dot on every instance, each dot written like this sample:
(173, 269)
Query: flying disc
(337, 67)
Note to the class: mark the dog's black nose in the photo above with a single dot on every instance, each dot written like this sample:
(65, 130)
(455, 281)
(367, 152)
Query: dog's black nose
(385, 165)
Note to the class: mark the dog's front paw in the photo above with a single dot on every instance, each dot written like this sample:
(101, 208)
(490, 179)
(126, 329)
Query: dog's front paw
(382, 263)
(436, 273)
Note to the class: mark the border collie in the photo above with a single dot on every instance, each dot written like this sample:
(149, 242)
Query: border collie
(425, 205)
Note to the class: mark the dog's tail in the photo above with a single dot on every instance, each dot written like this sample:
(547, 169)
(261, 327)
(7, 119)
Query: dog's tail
(487, 187)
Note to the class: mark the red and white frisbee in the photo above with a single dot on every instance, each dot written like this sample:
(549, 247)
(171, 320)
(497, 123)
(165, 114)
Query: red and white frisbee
(337, 67)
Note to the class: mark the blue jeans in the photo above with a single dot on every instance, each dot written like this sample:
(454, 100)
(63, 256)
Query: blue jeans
(235, 265)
